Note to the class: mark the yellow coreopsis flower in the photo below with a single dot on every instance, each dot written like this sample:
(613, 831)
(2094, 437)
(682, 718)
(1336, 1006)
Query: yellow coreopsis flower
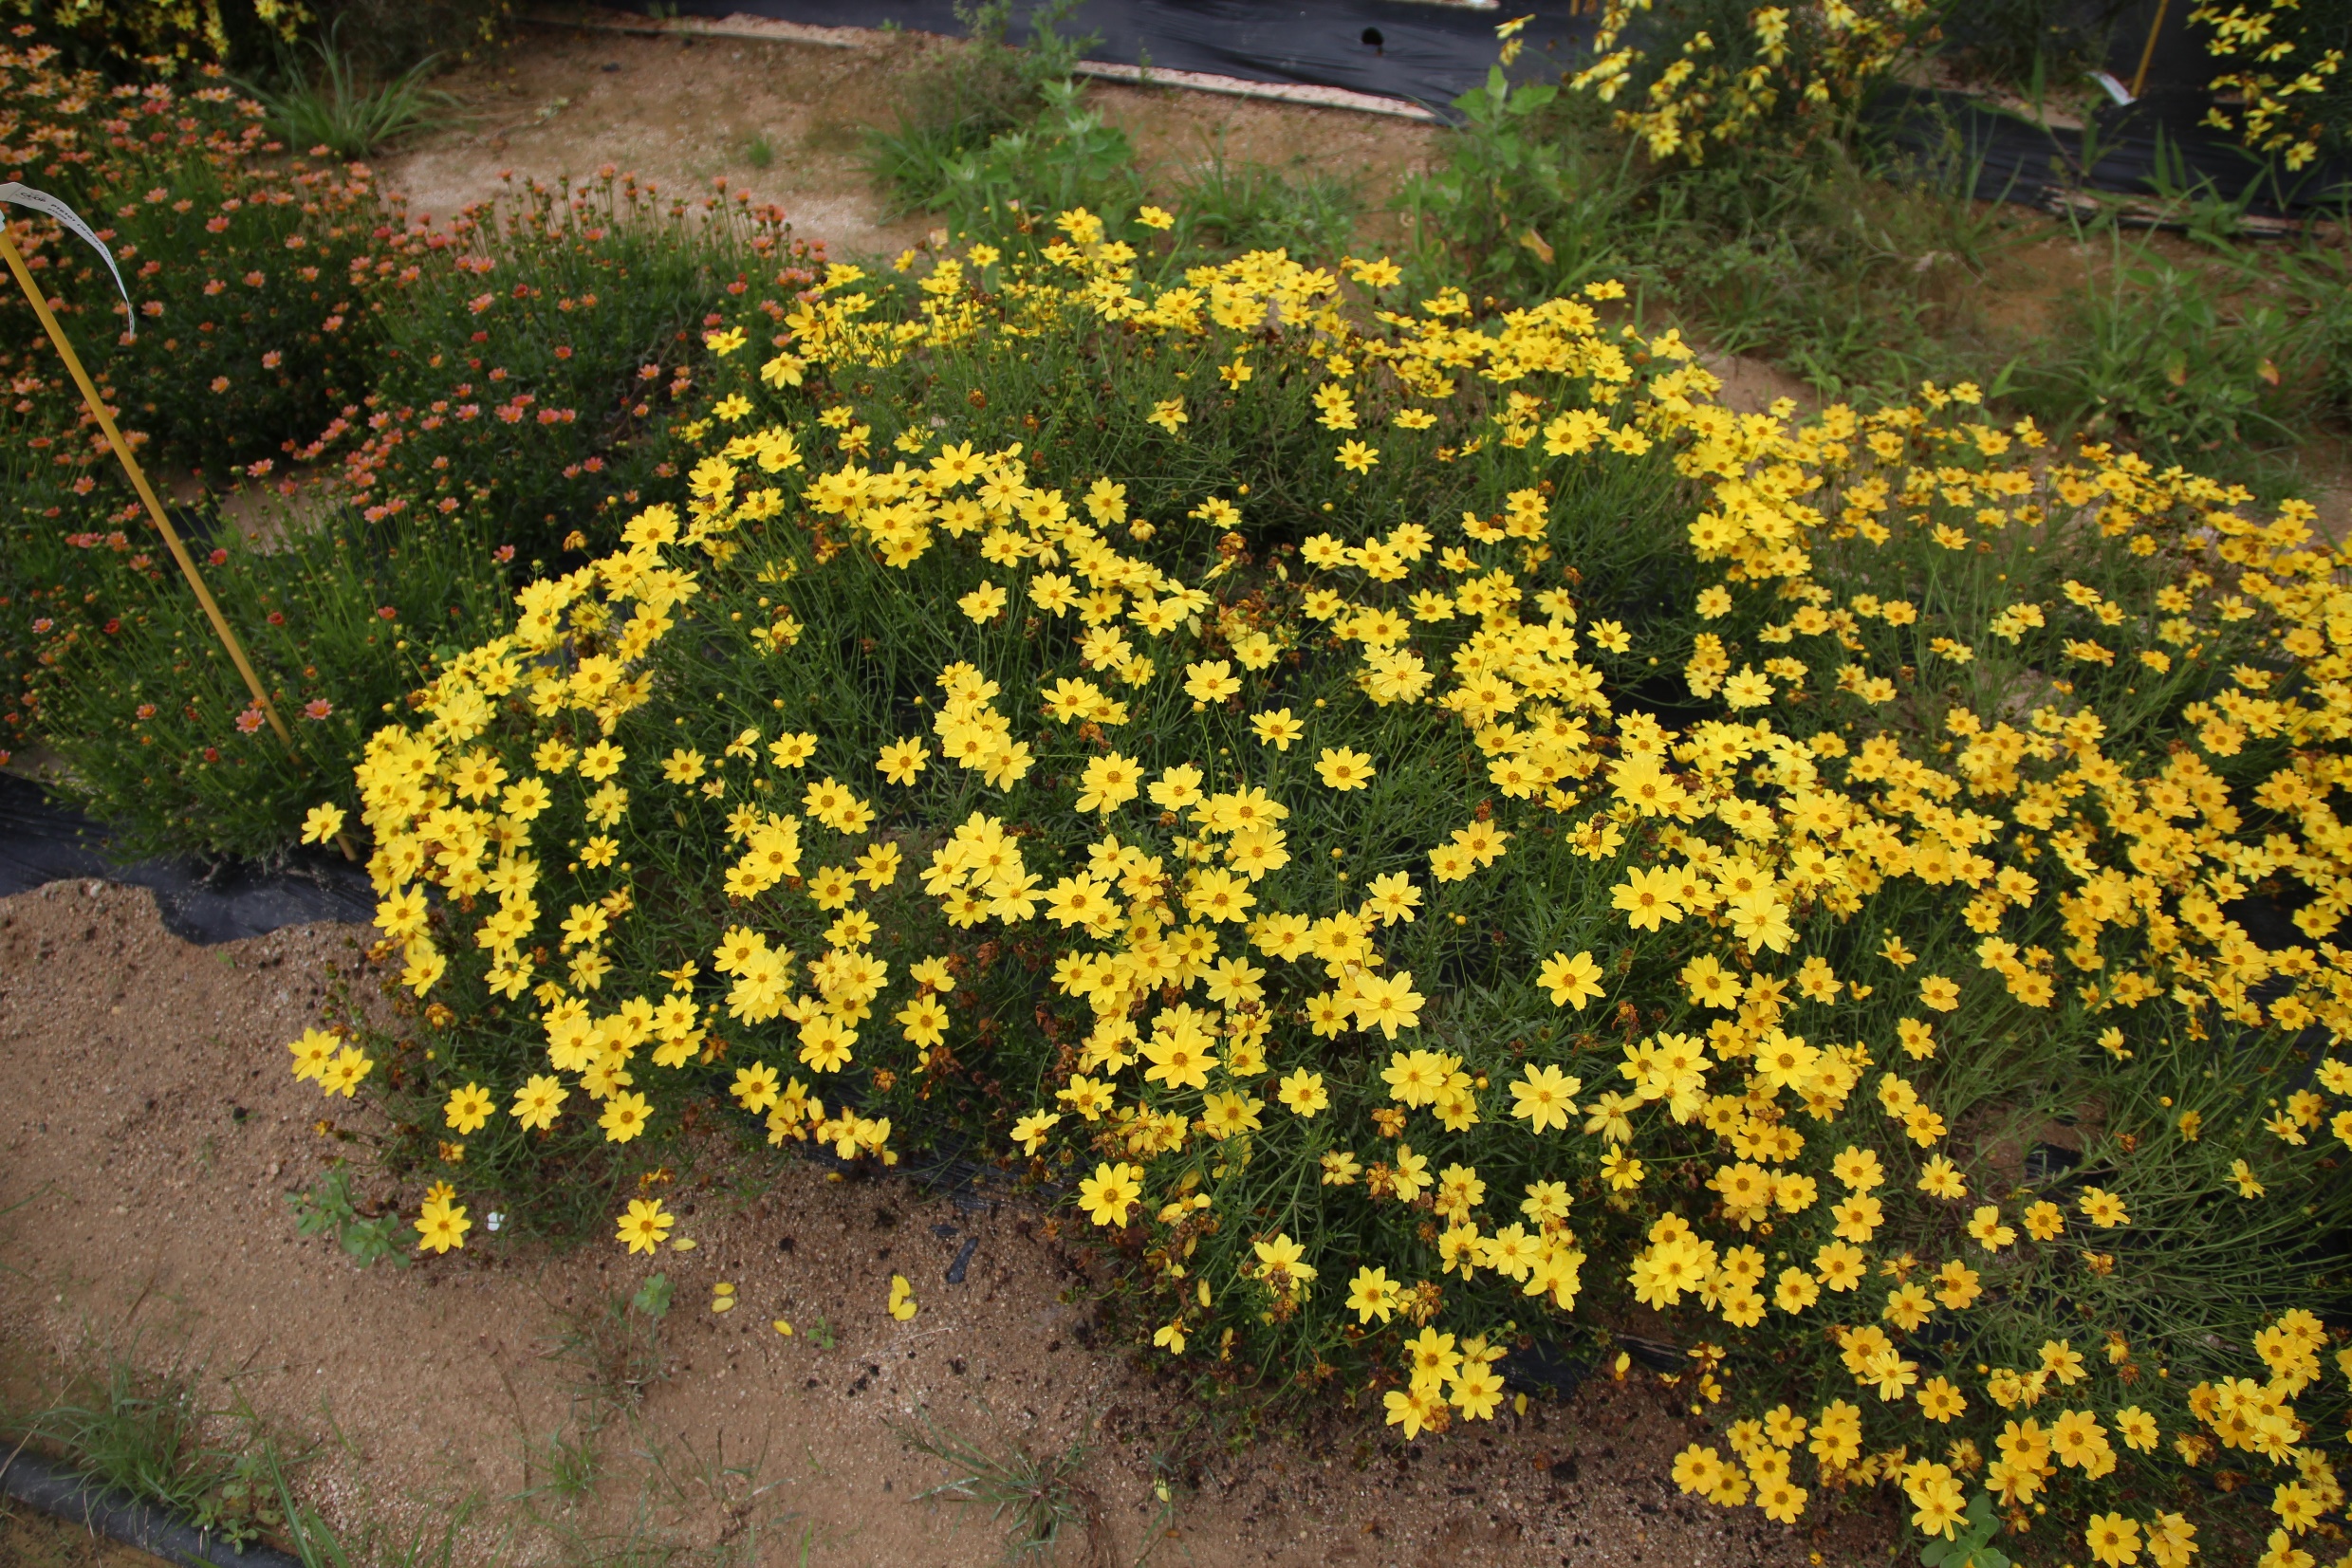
(644, 1226)
(1111, 1192)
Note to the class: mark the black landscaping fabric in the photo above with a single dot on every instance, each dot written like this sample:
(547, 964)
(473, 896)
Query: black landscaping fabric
(200, 901)
(1431, 54)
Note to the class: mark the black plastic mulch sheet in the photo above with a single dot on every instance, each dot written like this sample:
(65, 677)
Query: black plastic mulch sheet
(1432, 54)
(221, 901)
(1427, 54)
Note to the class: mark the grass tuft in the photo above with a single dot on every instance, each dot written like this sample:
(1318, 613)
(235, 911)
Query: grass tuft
(335, 107)
(1039, 1499)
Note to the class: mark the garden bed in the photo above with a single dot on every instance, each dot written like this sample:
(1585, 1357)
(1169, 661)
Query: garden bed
(536, 1390)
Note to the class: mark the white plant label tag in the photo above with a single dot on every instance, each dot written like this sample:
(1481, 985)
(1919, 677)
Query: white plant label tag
(41, 201)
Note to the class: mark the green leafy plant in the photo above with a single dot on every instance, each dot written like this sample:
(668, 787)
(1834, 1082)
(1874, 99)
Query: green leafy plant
(653, 1298)
(1068, 157)
(327, 1209)
(1971, 1546)
(1972, 1540)
(1530, 197)
(957, 105)
(610, 1354)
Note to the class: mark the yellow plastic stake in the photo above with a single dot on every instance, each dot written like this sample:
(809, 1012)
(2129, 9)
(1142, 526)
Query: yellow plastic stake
(146, 493)
(2147, 52)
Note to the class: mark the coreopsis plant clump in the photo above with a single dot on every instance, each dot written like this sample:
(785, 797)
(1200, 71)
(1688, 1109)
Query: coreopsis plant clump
(1688, 75)
(1056, 403)
(2285, 83)
(149, 31)
(250, 328)
(474, 381)
(1431, 831)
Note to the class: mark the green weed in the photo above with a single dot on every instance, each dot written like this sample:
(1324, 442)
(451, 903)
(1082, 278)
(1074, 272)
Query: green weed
(1856, 273)
(689, 1511)
(1038, 1499)
(2151, 351)
(1534, 196)
(1070, 156)
(563, 1467)
(956, 106)
(712, 1484)
(610, 1354)
(327, 1209)
(152, 1437)
(1970, 1547)
(1861, 278)
(438, 1539)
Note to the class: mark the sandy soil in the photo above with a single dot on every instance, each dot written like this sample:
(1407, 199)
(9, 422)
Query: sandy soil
(34, 1540)
(149, 1133)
